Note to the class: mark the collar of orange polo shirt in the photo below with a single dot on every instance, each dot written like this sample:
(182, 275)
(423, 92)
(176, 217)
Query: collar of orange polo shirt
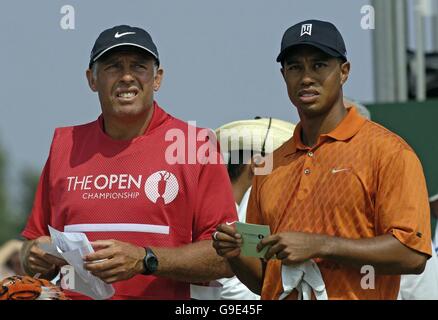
(345, 130)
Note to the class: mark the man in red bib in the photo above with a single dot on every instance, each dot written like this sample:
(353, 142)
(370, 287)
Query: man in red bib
(118, 178)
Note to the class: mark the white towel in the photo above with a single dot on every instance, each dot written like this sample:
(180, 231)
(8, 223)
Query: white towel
(305, 277)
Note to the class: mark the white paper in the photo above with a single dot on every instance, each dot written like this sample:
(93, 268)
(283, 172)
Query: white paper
(73, 247)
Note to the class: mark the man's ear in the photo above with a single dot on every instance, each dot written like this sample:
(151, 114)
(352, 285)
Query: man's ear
(158, 78)
(91, 80)
(345, 71)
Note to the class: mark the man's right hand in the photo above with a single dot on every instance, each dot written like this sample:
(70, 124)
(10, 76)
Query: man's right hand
(226, 241)
(36, 260)
(249, 270)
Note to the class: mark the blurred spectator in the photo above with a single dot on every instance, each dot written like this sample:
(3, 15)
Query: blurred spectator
(241, 174)
(239, 151)
(10, 264)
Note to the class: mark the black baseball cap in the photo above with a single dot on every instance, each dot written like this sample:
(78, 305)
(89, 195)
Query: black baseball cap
(320, 34)
(123, 35)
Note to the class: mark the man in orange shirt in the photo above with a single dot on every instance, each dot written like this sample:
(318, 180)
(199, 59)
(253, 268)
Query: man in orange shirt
(344, 192)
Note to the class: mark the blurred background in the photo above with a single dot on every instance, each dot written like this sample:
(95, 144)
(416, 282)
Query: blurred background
(219, 63)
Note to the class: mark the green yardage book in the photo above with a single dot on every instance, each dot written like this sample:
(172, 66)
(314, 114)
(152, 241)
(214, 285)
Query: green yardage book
(251, 236)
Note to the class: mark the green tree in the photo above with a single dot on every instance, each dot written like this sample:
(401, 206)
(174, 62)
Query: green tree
(12, 222)
(29, 183)
(5, 232)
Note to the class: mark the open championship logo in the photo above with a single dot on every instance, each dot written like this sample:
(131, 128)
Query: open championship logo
(161, 185)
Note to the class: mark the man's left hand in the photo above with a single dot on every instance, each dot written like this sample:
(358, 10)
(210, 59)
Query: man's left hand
(292, 247)
(121, 260)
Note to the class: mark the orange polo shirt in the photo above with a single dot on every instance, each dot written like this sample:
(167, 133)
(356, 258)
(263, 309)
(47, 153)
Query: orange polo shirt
(358, 181)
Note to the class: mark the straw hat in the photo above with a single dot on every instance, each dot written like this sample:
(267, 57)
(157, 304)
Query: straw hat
(269, 133)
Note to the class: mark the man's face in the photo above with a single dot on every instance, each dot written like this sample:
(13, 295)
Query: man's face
(314, 80)
(125, 83)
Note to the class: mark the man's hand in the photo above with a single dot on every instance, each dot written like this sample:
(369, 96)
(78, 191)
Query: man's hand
(226, 241)
(292, 247)
(122, 260)
(36, 260)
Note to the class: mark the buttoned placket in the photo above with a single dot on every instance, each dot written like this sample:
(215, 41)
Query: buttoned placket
(307, 174)
(308, 171)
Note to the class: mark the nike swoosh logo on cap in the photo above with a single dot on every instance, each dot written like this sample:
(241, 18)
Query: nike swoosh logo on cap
(118, 35)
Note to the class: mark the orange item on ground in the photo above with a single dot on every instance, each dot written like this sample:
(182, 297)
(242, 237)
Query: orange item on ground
(28, 288)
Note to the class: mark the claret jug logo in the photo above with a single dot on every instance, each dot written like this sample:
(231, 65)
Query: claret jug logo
(161, 185)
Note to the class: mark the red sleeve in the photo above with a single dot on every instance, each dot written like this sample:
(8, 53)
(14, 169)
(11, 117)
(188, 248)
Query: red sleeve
(215, 202)
(39, 219)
